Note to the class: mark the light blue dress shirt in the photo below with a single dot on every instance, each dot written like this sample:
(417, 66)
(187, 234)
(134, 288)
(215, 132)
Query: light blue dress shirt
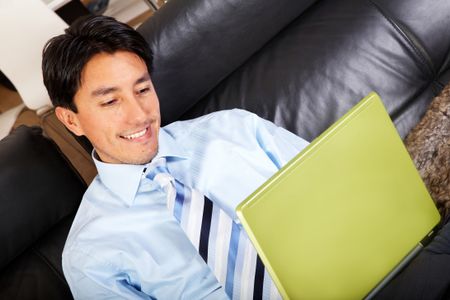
(125, 244)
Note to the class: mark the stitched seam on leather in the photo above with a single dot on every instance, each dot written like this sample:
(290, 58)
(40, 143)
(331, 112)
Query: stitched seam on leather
(446, 64)
(50, 265)
(439, 85)
(397, 113)
(419, 53)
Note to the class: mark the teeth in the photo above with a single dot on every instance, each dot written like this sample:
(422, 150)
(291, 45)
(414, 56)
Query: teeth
(135, 135)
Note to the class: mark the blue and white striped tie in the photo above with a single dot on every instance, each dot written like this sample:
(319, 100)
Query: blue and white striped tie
(221, 242)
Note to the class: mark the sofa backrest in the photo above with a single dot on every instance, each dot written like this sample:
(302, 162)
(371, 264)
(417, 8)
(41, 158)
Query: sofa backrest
(196, 44)
(308, 63)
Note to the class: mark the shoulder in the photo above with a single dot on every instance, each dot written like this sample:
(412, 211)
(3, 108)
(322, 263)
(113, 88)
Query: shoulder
(233, 127)
(88, 212)
(80, 258)
(236, 115)
(215, 121)
(87, 245)
(88, 273)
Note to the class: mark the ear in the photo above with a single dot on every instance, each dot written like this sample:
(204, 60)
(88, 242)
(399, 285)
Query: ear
(69, 119)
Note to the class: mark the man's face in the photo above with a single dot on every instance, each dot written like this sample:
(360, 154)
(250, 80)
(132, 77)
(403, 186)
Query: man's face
(118, 109)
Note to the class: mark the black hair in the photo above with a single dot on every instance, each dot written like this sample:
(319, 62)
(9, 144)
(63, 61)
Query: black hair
(65, 56)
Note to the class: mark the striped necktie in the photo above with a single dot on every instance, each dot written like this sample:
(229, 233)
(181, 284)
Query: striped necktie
(220, 241)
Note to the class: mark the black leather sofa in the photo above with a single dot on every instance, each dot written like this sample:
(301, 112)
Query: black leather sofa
(299, 63)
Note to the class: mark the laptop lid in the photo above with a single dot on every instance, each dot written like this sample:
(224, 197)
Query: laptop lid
(343, 213)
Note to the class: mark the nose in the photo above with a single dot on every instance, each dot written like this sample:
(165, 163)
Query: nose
(136, 110)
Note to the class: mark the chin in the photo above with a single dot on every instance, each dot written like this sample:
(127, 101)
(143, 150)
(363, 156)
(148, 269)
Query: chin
(141, 158)
(133, 157)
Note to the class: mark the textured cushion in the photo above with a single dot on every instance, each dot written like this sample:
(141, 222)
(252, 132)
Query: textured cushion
(429, 146)
(38, 189)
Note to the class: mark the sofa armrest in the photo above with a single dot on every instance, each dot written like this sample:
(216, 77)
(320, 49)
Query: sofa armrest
(38, 187)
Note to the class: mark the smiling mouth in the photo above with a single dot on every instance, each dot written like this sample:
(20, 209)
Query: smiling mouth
(135, 135)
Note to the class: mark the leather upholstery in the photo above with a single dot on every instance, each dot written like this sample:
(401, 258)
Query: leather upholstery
(40, 193)
(37, 273)
(312, 71)
(196, 44)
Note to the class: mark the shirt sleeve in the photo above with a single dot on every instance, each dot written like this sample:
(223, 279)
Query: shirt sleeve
(94, 278)
(90, 278)
(231, 153)
(279, 144)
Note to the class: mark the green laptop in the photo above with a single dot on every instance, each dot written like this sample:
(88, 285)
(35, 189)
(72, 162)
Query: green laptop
(345, 214)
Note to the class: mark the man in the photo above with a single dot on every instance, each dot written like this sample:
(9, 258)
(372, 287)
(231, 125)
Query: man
(158, 221)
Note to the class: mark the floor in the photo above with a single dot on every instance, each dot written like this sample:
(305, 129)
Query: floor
(132, 12)
(10, 99)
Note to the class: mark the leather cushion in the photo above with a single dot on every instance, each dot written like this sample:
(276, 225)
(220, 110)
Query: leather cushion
(427, 25)
(38, 189)
(37, 273)
(324, 62)
(197, 43)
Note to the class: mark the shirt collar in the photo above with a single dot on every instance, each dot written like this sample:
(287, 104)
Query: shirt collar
(124, 179)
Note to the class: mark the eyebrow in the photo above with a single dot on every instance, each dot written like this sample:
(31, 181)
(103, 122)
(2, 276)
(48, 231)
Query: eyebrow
(143, 78)
(101, 91)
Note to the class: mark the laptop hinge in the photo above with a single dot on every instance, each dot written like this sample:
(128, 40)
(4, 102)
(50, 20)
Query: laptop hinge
(429, 237)
(413, 253)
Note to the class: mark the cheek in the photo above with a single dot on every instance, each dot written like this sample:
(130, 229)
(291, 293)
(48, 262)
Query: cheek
(153, 103)
(97, 127)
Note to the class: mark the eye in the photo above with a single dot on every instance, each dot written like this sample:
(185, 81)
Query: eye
(143, 90)
(109, 102)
